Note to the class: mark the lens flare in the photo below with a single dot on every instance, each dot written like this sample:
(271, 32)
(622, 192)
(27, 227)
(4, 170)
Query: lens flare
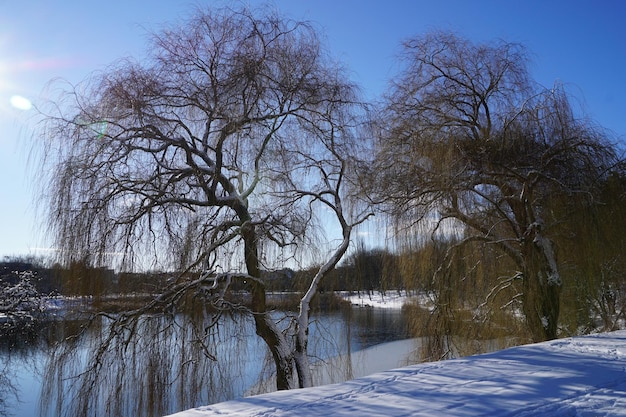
(100, 128)
(21, 103)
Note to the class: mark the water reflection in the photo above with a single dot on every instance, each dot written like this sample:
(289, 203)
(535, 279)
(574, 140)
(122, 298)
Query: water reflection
(21, 347)
(155, 365)
(161, 364)
(8, 390)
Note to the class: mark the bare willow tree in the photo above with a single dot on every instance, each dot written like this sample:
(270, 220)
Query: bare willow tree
(466, 138)
(216, 156)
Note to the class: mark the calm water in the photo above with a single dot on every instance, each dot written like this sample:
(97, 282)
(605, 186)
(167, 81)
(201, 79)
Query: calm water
(163, 370)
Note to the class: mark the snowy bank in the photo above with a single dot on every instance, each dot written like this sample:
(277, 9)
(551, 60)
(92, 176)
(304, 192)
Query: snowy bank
(581, 376)
(390, 299)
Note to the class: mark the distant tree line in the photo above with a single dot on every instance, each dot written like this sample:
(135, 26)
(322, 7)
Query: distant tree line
(364, 270)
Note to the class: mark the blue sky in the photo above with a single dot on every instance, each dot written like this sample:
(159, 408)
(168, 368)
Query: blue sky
(581, 44)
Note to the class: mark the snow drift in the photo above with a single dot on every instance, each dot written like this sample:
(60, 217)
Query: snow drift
(580, 376)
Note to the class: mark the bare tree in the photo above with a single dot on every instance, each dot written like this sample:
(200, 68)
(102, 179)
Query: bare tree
(217, 157)
(467, 139)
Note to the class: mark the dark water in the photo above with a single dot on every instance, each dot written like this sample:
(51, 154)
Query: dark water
(162, 371)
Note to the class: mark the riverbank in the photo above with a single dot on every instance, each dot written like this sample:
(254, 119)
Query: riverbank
(363, 362)
(573, 376)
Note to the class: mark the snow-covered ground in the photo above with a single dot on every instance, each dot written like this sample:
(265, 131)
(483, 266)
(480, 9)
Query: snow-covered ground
(581, 376)
(390, 299)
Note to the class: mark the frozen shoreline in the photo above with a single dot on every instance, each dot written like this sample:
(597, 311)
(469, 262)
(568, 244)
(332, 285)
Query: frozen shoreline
(573, 376)
(364, 362)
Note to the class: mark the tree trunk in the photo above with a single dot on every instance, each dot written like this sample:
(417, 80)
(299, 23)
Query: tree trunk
(281, 352)
(301, 356)
(266, 328)
(542, 286)
(305, 378)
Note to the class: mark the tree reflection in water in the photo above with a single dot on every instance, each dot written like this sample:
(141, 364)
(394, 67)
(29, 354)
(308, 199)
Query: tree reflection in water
(163, 363)
(156, 364)
(151, 366)
(8, 391)
(20, 342)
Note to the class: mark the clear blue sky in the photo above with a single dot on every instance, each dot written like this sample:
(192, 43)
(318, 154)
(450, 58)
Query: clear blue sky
(579, 43)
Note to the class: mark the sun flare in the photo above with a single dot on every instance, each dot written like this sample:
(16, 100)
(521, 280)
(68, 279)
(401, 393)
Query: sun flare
(20, 102)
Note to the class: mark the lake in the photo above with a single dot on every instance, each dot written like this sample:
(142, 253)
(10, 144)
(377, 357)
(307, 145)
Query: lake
(164, 370)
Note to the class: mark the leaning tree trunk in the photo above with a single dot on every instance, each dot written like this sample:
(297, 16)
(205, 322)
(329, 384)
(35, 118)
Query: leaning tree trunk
(305, 378)
(542, 285)
(266, 328)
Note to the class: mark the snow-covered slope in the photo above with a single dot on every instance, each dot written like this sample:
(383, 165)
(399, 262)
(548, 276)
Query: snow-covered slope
(582, 376)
